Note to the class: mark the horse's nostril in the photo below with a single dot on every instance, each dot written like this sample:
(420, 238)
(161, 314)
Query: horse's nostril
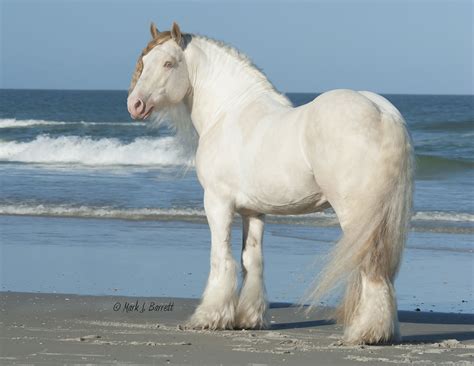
(136, 107)
(139, 106)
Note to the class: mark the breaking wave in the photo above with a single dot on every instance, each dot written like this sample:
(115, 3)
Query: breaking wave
(21, 123)
(82, 150)
(87, 151)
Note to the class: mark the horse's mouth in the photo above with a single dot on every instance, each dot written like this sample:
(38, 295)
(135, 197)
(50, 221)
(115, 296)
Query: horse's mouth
(147, 114)
(144, 115)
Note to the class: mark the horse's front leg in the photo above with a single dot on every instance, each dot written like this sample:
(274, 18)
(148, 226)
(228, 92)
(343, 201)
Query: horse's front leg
(217, 308)
(252, 304)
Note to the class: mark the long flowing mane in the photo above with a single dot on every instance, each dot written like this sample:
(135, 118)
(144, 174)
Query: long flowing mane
(220, 54)
(260, 79)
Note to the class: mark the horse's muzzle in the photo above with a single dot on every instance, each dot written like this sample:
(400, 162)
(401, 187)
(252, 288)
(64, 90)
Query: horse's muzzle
(138, 109)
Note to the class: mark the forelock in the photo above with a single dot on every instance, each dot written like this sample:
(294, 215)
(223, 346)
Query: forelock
(160, 39)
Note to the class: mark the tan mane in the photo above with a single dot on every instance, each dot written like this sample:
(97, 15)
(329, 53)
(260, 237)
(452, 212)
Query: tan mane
(159, 38)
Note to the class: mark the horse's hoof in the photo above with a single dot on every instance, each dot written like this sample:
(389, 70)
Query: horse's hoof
(252, 316)
(247, 324)
(211, 320)
(208, 325)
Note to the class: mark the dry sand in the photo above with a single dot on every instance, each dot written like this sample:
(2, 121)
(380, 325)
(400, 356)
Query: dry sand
(57, 329)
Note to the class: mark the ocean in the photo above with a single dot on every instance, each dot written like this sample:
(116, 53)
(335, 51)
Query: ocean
(93, 203)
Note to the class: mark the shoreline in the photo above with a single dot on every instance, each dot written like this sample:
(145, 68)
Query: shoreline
(41, 328)
(136, 258)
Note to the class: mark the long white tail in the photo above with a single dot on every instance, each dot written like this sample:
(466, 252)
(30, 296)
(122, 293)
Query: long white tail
(367, 257)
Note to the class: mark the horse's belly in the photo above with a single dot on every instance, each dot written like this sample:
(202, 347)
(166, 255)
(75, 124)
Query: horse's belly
(279, 198)
(306, 205)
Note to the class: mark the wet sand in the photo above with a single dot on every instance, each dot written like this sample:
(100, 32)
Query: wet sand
(57, 329)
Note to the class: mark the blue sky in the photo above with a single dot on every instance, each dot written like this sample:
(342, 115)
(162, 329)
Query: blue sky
(387, 46)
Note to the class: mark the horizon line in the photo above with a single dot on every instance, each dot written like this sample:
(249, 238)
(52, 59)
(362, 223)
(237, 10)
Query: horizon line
(290, 92)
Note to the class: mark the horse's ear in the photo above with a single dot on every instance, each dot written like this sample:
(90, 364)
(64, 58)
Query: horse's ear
(176, 33)
(153, 30)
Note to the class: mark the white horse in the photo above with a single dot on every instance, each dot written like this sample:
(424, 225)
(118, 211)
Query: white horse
(258, 155)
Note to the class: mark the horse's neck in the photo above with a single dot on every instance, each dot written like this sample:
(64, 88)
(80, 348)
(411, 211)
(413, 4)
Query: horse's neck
(223, 82)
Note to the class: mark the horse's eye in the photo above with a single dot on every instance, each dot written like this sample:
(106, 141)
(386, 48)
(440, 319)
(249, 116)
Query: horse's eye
(168, 64)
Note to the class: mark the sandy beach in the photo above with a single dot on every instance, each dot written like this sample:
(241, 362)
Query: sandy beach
(57, 329)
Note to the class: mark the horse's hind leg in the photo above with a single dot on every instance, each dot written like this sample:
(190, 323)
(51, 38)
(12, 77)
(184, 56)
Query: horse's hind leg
(369, 308)
(252, 305)
(217, 308)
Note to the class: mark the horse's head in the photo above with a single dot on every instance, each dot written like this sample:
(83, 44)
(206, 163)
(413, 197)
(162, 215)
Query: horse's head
(161, 76)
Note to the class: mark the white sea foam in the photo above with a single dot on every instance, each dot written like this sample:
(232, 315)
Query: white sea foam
(21, 123)
(188, 214)
(13, 123)
(443, 216)
(68, 210)
(100, 212)
(94, 152)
